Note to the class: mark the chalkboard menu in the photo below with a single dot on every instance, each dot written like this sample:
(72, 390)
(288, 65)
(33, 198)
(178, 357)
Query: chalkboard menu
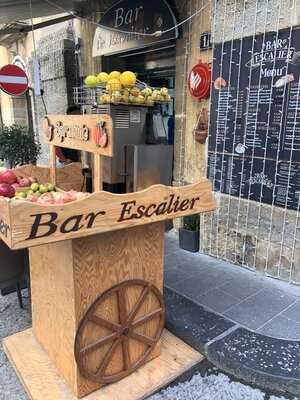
(254, 141)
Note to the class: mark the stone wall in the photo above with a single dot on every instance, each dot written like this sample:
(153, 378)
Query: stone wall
(56, 56)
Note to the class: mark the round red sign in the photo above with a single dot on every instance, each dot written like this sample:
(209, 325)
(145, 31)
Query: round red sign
(13, 80)
(199, 81)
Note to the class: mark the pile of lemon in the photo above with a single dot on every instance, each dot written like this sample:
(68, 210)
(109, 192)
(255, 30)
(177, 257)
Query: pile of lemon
(121, 88)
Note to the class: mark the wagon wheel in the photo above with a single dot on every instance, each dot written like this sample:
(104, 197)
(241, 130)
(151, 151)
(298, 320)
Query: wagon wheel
(120, 333)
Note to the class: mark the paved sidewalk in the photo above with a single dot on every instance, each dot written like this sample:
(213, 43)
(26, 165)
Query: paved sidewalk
(258, 303)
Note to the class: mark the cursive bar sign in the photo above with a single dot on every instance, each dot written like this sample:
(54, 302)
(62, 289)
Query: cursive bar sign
(34, 224)
(128, 25)
(77, 132)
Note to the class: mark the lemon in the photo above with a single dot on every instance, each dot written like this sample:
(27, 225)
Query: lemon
(147, 92)
(128, 79)
(114, 75)
(135, 91)
(103, 77)
(91, 80)
(113, 85)
(140, 99)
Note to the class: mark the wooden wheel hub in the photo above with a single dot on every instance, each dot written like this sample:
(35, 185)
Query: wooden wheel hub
(110, 346)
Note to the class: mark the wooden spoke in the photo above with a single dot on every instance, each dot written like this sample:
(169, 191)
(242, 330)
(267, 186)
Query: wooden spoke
(101, 342)
(121, 333)
(142, 338)
(107, 358)
(126, 355)
(138, 304)
(122, 306)
(147, 317)
(112, 326)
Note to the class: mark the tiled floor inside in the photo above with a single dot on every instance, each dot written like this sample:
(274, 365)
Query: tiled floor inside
(259, 303)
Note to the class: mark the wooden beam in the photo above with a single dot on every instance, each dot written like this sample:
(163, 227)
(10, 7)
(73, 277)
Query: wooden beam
(28, 27)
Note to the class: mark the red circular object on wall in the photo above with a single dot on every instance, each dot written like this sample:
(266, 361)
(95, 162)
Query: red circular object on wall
(13, 80)
(199, 80)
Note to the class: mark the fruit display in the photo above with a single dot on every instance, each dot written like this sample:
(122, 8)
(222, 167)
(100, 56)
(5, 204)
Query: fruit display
(53, 197)
(28, 189)
(10, 184)
(34, 191)
(124, 88)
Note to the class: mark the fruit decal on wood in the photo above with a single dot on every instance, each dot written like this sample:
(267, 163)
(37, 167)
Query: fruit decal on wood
(140, 321)
(99, 134)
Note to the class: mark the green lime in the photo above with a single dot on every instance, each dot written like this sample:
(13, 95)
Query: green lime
(43, 189)
(35, 187)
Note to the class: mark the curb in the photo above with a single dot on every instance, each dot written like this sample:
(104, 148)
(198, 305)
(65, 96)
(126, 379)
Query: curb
(270, 363)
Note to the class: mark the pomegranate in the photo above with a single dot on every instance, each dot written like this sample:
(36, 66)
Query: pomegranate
(6, 190)
(8, 176)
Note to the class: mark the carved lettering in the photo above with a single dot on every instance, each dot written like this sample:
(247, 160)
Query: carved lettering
(40, 222)
(127, 207)
(91, 218)
(130, 210)
(49, 221)
(74, 224)
(77, 132)
(4, 227)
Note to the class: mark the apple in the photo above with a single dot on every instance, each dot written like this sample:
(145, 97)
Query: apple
(15, 185)
(24, 182)
(6, 190)
(8, 177)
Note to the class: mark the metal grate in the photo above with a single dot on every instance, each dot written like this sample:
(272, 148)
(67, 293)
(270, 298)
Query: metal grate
(254, 140)
(122, 118)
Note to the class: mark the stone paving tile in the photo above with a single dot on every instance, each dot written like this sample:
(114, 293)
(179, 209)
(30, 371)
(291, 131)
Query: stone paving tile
(196, 285)
(293, 312)
(170, 261)
(170, 247)
(258, 309)
(174, 276)
(242, 286)
(217, 300)
(281, 327)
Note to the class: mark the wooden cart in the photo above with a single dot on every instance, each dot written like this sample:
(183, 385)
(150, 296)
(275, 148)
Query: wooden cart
(96, 268)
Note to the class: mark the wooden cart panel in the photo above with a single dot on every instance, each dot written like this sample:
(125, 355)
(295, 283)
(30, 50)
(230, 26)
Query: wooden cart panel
(29, 224)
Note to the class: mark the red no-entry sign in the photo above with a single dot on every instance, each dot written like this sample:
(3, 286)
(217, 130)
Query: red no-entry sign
(13, 80)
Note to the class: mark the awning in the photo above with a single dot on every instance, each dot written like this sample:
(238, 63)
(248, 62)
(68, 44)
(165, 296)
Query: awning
(19, 10)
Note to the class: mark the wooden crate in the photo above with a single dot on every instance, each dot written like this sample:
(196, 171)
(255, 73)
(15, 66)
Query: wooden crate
(24, 224)
(68, 177)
